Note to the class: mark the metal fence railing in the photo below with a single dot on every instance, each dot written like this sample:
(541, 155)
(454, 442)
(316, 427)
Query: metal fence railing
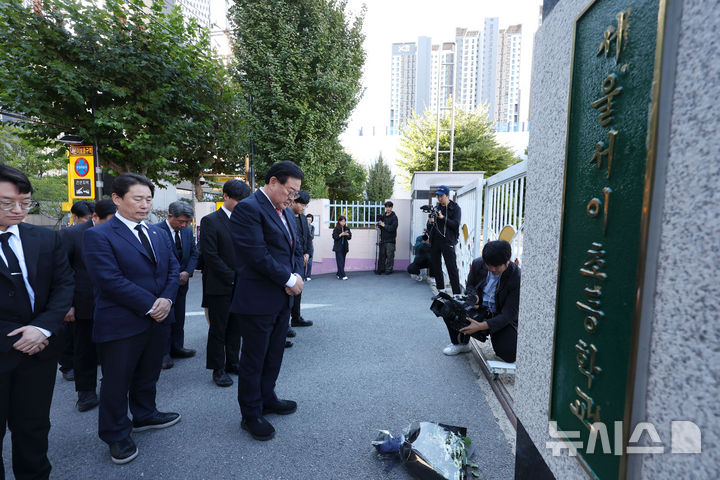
(358, 214)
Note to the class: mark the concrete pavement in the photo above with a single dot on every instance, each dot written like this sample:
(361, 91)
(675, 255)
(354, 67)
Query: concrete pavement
(373, 360)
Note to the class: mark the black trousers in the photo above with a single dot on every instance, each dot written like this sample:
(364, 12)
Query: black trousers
(66, 333)
(177, 336)
(504, 341)
(223, 344)
(25, 397)
(418, 264)
(85, 356)
(261, 356)
(438, 251)
(386, 261)
(130, 368)
(295, 310)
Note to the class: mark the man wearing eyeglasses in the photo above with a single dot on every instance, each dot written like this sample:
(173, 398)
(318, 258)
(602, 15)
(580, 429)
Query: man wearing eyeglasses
(36, 290)
(269, 268)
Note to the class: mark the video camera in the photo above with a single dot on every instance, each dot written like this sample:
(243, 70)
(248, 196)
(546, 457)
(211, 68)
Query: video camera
(431, 210)
(456, 308)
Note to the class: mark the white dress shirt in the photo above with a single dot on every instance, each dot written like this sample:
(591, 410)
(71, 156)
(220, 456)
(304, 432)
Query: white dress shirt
(293, 277)
(132, 224)
(15, 243)
(228, 212)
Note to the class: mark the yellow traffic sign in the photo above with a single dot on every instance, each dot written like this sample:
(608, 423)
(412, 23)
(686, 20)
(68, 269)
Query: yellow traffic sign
(81, 173)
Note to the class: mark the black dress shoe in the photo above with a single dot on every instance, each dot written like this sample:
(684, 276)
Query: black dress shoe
(123, 451)
(156, 420)
(182, 353)
(167, 362)
(221, 378)
(300, 322)
(288, 344)
(291, 333)
(232, 368)
(87, 401)
(281, 407)
(258, 427)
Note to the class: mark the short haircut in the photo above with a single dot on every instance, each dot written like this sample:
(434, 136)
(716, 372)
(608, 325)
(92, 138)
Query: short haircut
(16, 177)
(389, 204)
(181, 209)
(122, 184)
(236, 189)
(82, 208)
(105, 207)
(496, 253)
(303, 197)
(310, 216)
(284, 170)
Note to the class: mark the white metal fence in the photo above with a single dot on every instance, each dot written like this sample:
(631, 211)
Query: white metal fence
(358, 214)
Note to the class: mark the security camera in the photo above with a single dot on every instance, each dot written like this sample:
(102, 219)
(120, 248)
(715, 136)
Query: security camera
(202, 180)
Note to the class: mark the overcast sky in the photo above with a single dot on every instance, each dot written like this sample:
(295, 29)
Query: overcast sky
(389, 21)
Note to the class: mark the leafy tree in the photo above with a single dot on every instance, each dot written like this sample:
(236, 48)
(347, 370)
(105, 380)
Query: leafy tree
(133, 79)
(347, 182)
(475, 145)
(35, 157)
(380, 181)
(301, 62)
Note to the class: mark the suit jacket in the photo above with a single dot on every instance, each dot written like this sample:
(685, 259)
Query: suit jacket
(341, 244)
(189, 258)
(50, 277)
(304, 237)
(218, 254)
(266, 254)
(83, 300)
(127, 282)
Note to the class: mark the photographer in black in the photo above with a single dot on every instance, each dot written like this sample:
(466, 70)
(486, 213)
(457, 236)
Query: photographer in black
(388, 225)
(443, 227)
(495, 282)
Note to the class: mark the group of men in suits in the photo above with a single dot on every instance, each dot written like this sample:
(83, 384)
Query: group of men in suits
(254, 253)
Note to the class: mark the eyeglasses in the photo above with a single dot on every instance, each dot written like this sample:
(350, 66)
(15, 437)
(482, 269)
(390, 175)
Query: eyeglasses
(293, 194)
(7, 205)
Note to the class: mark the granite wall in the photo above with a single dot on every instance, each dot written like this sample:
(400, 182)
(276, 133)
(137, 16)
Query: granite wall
(679, 378)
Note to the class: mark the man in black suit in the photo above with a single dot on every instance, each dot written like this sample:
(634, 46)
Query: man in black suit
(80, 315)
(269, 275)
(36, 289)
(135, 275)
(218, 253)
(305, 242)
(180, 215)
(81, 212)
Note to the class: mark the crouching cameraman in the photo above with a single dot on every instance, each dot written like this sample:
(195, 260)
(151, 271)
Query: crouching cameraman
(495, 282)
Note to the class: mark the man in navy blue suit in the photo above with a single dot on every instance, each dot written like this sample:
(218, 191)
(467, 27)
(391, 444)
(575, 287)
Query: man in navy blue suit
(180, 215)
(135, 275)
(269, 265)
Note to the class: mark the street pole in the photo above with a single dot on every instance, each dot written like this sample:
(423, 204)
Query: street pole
(98, 172)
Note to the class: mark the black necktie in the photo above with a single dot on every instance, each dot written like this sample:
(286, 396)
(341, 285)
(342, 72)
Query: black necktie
(13, 265)
(178, 244)
(145, 242)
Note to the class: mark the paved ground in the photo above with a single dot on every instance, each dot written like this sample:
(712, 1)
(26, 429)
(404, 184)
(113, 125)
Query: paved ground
(372, 361)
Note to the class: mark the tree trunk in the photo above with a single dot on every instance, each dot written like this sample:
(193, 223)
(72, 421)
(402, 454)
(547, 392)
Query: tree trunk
(199, 196)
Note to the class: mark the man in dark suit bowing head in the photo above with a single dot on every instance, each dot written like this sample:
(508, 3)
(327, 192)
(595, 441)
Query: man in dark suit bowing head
(180, 215)
(269, 275)
(135, 275)
(36, 290)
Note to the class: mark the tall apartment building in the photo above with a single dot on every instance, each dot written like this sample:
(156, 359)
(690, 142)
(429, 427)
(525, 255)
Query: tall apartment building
(443, 74)
(409, 81)
(507, 113)
(477, 52)
(197, 9)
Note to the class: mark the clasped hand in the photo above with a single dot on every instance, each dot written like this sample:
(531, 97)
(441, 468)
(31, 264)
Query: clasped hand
(297, 288)
(32, 340)
(160, 309)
